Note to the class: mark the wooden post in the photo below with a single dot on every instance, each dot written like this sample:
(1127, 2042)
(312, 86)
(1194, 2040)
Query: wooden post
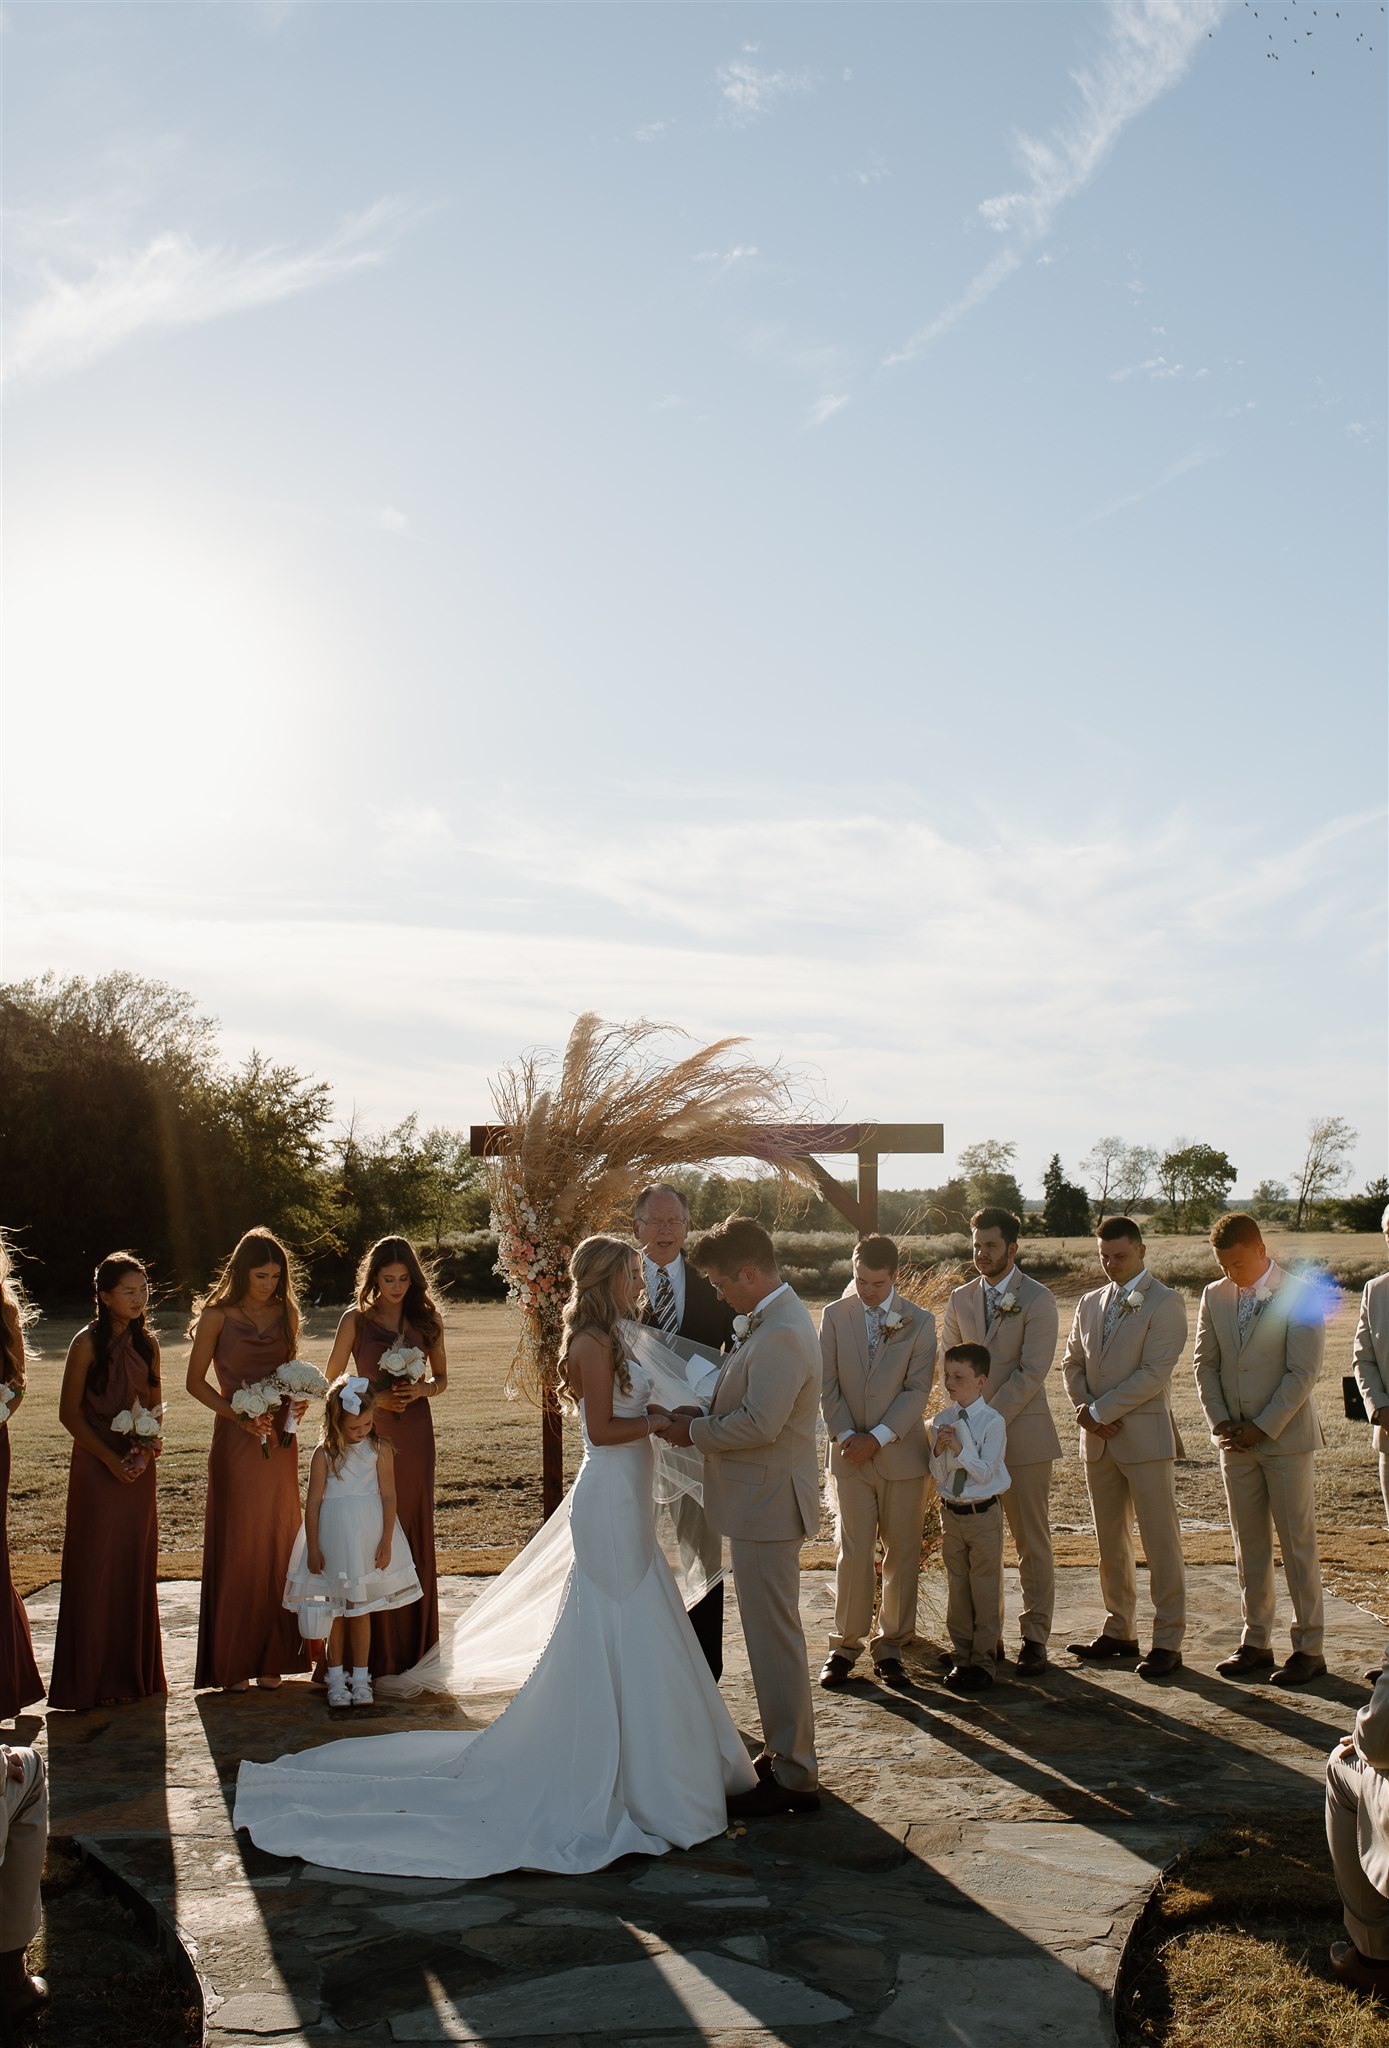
(551, 1456)
(867, 1193)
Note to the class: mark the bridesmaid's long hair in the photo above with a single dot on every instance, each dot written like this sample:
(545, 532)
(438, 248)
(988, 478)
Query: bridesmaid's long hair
(421, 1307)
(108, 1275)
(331, 1438)
(259, 1247)
(15, 1315)
(592, 1309)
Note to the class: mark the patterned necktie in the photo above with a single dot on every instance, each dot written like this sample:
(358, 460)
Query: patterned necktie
(667, 1314)
(1113, 1313)
(990, 1303)
(1248, 1309)
(875, 1334)
(959, 1476)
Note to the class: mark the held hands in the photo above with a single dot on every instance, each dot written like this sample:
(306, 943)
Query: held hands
(14, 1767)
(1238, 1436)
(947, 1437)
(674, 1429)
(1102, 1429)
(258, 1426)
(862, 1447)
(126, 1469)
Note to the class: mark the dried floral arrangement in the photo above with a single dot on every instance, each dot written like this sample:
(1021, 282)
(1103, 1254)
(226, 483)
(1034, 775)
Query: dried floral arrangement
(584, 1133)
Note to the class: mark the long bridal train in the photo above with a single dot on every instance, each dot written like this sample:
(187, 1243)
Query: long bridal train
(617, 1741)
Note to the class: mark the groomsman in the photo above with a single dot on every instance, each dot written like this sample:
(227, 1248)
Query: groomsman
(681, 1303)
(1124, 1343)
(1259, 1342)
(1016, 1320)
(1370, 1360)
(879, 1351)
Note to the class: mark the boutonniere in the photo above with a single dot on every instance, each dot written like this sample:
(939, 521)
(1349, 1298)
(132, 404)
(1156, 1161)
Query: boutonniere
(1133, 1302)
(1008, 1306)
(894, 1322)
(743, 1326)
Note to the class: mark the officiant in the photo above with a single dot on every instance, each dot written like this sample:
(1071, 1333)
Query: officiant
(681, 1303)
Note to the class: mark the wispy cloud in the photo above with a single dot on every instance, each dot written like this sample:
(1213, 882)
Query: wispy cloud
(825, 407)
(749, 91)
(1147, 49)
(652, 131)
(722, 260)
(1198, 459)
(173, 281)
(390, 519)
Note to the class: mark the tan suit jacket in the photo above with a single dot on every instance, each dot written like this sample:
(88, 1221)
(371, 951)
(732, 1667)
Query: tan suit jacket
(1023, 1348)
(1371, 1738)
(1370, 1357)
(761, 1472)
(1270, 1379)
(894, 1393)
(1129, 1379)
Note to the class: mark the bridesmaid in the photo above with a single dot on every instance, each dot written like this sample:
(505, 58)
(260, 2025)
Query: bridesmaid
(246, 1327)
(108, 1648)
(396, 1307)
(20, 1684)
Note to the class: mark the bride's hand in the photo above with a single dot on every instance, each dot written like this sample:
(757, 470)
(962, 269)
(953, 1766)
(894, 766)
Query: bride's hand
(657, 1419)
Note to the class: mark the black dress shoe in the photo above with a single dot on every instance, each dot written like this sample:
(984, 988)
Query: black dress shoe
(1299, 1669)
(836, 1669)
(1000, 1652)
(1032, 1658)
(1160, 1663)
(891, 1671)
(1103, 1648)
(1245, 1662)
(767, 1797)
(968, 1678)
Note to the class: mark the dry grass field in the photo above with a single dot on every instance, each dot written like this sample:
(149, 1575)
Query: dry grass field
(489, 1485)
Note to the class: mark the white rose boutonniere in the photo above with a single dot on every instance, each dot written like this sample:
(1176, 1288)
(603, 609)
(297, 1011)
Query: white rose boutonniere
(894, 1322)
(1008, 1306)
(743, 1326)
(1133, 1302)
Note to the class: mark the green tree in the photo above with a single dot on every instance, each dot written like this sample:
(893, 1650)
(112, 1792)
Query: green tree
(1269, 1202)
(1325, 1164)
(1365, 1211)
(987, 1171)
(1065, 1207)
(1194, 1181)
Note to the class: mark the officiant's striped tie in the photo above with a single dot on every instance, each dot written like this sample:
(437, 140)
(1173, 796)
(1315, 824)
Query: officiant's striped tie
(667, 1314)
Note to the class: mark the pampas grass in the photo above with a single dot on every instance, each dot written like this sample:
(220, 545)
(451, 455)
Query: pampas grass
(584, 1136)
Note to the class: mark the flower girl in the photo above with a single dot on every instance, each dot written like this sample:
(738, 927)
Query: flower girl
(351, 1559)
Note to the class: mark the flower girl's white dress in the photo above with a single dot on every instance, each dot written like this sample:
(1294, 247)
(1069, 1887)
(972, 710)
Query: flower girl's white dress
(617, 1742)
(349, 1529)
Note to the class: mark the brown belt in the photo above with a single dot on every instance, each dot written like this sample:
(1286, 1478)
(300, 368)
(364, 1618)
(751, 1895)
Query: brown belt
(969, 1507)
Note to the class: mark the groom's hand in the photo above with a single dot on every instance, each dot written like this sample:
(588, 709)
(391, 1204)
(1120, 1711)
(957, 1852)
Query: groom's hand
(677, 1430)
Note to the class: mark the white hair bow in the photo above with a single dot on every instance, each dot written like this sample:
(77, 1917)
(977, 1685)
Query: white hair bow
(352, 1392)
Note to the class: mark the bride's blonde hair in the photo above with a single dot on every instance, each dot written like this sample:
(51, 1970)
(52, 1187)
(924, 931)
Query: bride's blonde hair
(592, 1308)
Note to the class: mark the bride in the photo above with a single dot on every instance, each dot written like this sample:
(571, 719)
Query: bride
(617, 1741)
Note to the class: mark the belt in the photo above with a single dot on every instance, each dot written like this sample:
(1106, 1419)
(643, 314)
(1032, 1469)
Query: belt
(970, 1507)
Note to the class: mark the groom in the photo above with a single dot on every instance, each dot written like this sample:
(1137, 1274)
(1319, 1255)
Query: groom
(762, 1491)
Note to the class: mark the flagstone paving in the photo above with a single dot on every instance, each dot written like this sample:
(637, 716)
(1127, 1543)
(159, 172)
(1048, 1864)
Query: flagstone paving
(971, 1879)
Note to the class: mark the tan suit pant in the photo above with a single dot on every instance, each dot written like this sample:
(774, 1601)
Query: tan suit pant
(1384, 1481)
(866, 1506)
(767, 1577)
(1118, 1493)
(1267, 1493)
(1027, 1504)
(26, 1803)
(1365, 1910)
(972, 1547)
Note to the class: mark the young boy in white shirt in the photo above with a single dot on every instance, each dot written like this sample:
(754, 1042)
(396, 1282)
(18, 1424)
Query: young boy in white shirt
(968, 1439)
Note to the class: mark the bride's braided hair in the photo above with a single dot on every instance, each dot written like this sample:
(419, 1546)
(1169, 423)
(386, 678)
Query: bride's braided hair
(592, 1309)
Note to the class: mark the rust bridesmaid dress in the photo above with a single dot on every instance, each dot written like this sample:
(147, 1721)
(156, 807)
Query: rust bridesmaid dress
(108, 1646)
(253, 1516)
(400, 1636)
(20, 1684)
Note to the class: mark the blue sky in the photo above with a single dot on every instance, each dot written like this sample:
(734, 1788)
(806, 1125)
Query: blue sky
(860, 525)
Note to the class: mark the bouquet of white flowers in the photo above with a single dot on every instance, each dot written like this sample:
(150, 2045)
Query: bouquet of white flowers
(253, 1401)
(145, 1429)
(402, 1367)
(297, 1380)
(8, 1396)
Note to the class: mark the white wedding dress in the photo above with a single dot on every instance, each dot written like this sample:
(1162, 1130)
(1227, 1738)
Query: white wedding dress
(617, 1742)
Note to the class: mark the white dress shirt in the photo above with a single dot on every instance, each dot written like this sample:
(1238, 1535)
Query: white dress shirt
(1120, 1290)
(870, 1320)
(675, 1273)
(983, 1438)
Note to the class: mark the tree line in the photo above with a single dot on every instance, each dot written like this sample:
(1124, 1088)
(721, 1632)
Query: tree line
(123, 1124)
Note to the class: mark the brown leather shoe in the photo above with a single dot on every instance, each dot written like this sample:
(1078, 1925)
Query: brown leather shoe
(1246, 1662)
(1160, 1663)
(1102, 1648)
(968, 1678)
(835, 1671)
(891, 1671)
(1032, 1659)
(1361, 1973)
(1299, 1669)
(767, 1797)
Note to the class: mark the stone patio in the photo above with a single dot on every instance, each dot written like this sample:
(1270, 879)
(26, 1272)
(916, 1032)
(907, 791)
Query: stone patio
(972, 1878)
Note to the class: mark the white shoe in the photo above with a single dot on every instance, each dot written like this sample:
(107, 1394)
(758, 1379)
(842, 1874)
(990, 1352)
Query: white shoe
(339, 1693)
(361, 1692)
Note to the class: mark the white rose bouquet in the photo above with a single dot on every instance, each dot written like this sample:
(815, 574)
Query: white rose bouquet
(145, 1429)
(251, 1402)
(297, 1380)
(403, 1366)
(8, 1396)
